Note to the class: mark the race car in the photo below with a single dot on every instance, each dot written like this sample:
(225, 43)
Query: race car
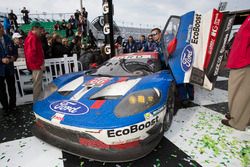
(117, 112)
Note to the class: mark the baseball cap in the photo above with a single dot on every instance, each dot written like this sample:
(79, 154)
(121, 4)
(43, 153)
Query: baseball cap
(16, 35)
(36, 24)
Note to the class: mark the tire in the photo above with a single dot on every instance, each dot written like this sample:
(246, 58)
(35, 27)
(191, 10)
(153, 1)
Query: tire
(170, 108)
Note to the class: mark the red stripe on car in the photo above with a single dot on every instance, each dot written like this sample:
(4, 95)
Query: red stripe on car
(101, 145)
(121, 79)
(97, 104)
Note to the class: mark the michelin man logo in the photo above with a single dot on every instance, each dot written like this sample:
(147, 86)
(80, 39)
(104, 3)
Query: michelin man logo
(187, 57)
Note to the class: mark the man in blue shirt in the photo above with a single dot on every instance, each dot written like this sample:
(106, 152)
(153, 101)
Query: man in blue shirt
(156, 33)
(141, 44)
(150, 45)
(8, 54)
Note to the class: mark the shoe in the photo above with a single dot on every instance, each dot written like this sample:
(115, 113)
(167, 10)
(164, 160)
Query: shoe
(227, 115)
(226, 122)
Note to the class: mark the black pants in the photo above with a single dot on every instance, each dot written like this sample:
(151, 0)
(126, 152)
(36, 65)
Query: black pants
(11, 102)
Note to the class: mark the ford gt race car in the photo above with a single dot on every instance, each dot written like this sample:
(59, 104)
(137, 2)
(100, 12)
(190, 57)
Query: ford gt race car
(119, 111)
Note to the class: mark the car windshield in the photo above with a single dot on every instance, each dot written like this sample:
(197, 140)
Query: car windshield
(128, 65)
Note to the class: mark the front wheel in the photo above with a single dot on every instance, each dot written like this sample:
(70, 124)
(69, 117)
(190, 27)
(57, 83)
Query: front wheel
(170, 107)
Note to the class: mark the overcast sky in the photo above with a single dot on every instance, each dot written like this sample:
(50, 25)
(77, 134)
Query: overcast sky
(144, 13)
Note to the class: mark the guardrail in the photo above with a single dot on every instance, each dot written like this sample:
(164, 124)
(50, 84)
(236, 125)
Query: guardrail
(54, 68)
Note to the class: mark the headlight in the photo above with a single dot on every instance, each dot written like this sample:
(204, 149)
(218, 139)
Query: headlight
(137, 102)
(48, 90)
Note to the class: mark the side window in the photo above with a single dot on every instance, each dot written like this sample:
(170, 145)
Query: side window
(171, 29)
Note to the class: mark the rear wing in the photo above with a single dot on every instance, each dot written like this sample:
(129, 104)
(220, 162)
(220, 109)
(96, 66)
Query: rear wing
(201, 41)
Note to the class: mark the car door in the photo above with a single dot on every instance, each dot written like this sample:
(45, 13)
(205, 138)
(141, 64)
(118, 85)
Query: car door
(194, 45)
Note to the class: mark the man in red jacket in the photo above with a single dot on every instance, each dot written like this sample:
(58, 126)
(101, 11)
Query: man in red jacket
(35, 58)
(239, 80)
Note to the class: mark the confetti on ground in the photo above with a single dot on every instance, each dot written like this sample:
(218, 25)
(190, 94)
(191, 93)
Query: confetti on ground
(209, 142)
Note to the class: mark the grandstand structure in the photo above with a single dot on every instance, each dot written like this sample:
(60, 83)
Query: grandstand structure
(48, 21)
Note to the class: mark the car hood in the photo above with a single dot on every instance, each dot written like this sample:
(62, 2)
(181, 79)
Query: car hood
(90, 101)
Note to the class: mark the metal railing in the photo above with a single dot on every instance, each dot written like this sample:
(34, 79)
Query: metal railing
(55, 67)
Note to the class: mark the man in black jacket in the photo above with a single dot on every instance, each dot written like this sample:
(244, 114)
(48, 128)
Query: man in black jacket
(25, 13)
(13, 20)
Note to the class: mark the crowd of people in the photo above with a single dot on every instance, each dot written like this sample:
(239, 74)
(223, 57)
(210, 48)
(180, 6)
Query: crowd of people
(131, 45)
(37, 46)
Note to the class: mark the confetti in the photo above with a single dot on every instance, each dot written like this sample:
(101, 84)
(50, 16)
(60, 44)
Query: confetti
(180, 165)
(173, 155)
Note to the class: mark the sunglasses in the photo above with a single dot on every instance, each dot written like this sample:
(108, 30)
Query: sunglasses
(154, 34)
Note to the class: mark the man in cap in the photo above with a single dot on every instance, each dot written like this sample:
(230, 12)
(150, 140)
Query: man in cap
(7, 56)
(16, 37)
(34, 56)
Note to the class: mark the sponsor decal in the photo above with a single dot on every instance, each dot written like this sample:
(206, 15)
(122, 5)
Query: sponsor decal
(187, 57)
(189, 33)
(69, 107)
(98, 82)
(220, 57)
(196, 29)
(157, 111)
(214, 30)
(147, 116)
(132, 129)
(218, 53)
(57, 118)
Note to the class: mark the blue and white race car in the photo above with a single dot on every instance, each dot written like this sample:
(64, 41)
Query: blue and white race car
(119, 111)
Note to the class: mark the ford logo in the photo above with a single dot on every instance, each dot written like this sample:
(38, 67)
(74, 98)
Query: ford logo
(187, 57)
(69, 107)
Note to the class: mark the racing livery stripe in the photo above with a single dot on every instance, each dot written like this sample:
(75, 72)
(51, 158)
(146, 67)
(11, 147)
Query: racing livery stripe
(80, 94)
(115, 89)
(97, 104)
(71, 86)
(100, 144)
(121, 79)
